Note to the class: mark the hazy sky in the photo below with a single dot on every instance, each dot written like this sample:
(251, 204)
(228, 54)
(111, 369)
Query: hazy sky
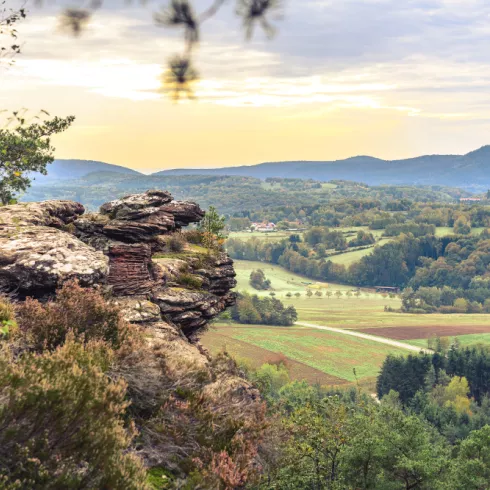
(389, 78)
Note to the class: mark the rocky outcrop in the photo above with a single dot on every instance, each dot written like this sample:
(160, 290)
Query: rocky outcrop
(171, 299)
(140, 218)
(44, 244)
(36, 256)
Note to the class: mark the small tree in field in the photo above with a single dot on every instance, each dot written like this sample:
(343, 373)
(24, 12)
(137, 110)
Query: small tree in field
(319, 294)
(26, 149)
(338, 294)
(309, 293)
(297, 294)
(328, 294)
(357, 293)
(288, 294)
(349, 294)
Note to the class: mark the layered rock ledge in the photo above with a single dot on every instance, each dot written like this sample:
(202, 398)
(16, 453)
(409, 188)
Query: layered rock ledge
(42, 245)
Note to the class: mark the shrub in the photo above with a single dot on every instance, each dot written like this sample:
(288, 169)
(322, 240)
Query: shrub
(176, 242)
(6, 311)
(62, 422)
(84, 312)
(258, 280)
(193, 236)
(190, 281)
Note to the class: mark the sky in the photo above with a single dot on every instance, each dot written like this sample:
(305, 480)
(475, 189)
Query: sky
(387, 78)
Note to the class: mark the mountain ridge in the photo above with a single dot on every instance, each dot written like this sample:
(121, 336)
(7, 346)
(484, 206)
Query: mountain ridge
(469, 170)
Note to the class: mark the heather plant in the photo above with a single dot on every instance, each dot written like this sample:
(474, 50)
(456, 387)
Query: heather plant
(62, 421)
(85, 312)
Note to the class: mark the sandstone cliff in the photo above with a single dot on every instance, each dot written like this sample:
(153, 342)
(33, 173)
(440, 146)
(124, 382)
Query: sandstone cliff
(45, 244)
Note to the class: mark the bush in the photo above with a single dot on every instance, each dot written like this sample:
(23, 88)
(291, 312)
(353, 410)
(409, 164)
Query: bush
(6, 311)
(62, 422)
(258, 280)
(193, 236)
(176, 242)
(190, 281)
(82, 311)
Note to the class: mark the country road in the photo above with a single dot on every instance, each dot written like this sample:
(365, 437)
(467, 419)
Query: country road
(374, 338)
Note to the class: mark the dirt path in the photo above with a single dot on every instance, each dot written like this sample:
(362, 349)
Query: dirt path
(366, 336)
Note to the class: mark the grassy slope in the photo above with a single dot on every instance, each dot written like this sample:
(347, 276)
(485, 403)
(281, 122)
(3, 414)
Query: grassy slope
(328, 352)
(477, 338)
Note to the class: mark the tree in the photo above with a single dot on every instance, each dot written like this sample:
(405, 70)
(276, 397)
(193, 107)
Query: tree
(309, 293)
(471, 470)
(258, 280)
(338, 294)
(462, 226)
(213, 224)
(26, 149)
(328, 293)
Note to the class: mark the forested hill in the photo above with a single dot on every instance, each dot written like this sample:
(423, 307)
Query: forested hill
(74, 169)
(470, 171)
(232, 194)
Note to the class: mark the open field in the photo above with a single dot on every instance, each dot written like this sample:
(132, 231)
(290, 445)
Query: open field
(443, 230)
(464, 328)
(221, 338)
(271, 236)
(332, 353)
(329, 357)
(464, 340)
(282, 280)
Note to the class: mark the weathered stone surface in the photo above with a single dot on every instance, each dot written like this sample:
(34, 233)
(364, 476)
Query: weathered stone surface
(138, 218)
(184, 212)
(219, 277)
(128, 207)
(169, 270)
(36, 259)
(129, 272)
(138, 309)
(190, 310)
(47, 213)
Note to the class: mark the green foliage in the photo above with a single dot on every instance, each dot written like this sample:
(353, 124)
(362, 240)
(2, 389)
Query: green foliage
(25, 149)
(267, 311)
(190, 281)
(213, 223)
(258, 280)
(62, 422)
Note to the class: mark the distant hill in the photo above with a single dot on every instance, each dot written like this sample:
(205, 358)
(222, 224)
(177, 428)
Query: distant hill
(471, 171)
(74, 169)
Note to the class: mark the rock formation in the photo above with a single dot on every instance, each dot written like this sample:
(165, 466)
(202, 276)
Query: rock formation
(44, 244)
(170, 295)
